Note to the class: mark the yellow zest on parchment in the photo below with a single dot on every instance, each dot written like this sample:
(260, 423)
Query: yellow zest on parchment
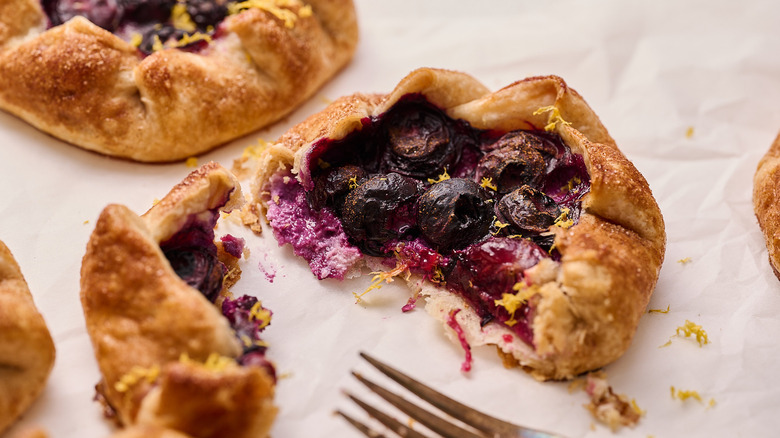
(379, 277)
(443, 177)
(684, 261)
(553, 119)
(135, 375)
(275, 8)
(691, 329)
(512, 302)
(660, 310)
(635, 407)
(563, 220)
(689, 132)
(488, 184)
(191, 162)
(254, 151)
(257, 313)
(683, 395)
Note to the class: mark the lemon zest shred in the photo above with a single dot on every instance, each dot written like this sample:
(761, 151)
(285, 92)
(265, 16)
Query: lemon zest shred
(554, 118)
(157, 45)
(191, 162)
(690, 329)
(257, 313)
(275, 8)
(181, 19)
(322, 163)
(684, 261)
(660, 310)
(443, 177)
(136, 375)
(512, 302)
(192, 38)
(689, 132)
(353, 182)
(668, 343)
(563, 220)
(685, 394)
(488, 184)
(636, 408)
(379, 277)
(254, 151)
(136, 39)
(574, 182)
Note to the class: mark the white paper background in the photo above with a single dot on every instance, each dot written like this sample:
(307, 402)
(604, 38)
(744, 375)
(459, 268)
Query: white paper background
(651, 70)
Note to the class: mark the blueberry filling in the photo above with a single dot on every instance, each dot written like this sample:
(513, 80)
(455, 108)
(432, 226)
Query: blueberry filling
(193, 255)
(468, 209)
(150, 24)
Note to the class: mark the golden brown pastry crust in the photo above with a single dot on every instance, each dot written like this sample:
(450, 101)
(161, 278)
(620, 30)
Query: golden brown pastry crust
(26, 347)
(766, 202)
(90, 88)
(589, 304)
(142, 318)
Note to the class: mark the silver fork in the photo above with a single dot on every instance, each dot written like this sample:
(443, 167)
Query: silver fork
(476, 424)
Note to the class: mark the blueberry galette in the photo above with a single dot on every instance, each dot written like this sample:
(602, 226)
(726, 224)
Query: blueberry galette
(26, 348)
(512, 213)
(163, 80)
(176, 350)
(766, 202)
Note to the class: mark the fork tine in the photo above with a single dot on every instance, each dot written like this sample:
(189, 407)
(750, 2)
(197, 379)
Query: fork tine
(474, 418)
(360, 426)
(436, 424)
(390, 422)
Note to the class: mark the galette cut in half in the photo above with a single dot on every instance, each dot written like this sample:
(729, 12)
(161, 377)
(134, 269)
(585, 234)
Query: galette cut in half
(513, 213)
(766, 202)
(26, 347)
(175, 349)
(163, 80)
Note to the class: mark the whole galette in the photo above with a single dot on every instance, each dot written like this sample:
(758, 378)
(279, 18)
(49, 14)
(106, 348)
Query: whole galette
(26, 347)
(163, 80)
(513, 213)
(176, 350)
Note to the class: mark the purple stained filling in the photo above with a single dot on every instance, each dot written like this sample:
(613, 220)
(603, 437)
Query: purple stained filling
(456, 237)
(192, 254)
(152, 20)
(233, 245)
(315, 235)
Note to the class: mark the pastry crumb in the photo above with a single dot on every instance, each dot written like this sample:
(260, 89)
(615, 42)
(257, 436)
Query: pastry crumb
(613, 410)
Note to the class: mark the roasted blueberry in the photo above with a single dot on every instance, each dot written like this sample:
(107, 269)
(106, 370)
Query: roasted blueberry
(453, 214)
(515, 159)
(380, 209)
(419, 142)
(332, 186)
(147, 11)
(104, 13)
(529, 209)
(198, 268)
(206, 13)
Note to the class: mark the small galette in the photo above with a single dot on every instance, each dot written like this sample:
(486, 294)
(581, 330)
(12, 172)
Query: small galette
(512, 213)
(163, 80)
(175, 349)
